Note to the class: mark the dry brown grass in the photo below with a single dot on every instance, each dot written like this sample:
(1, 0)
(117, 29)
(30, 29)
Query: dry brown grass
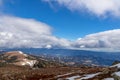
(12, 72)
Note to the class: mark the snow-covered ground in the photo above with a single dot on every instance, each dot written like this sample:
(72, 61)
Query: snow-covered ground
(20, 52)
(88, 76)
(117, 65)
(73, 77)
(28, 62)
(65, 74)
(117, 73)
(108, 79)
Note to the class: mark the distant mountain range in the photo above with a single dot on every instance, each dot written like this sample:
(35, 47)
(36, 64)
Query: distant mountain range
(73, 57)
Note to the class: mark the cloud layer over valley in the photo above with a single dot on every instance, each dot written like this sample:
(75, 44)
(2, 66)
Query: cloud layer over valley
(18, 32)
(106, 39)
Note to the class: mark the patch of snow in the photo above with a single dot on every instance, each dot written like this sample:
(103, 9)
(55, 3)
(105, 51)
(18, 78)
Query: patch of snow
(22, 53)
(22, 63)
(72, 78)
(117, 73)
(108, 79)
(89, 76)
(117, 65)
(28, 62)
(64, 75)
(31, 63)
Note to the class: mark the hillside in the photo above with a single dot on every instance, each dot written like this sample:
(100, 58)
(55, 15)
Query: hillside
(74, 57)
(13, 72)
(16, 65)
(19, 58)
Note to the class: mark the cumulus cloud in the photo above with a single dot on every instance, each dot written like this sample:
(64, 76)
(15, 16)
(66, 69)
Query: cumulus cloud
(21, 32)
(98, 7)
(18, 32)
(106, 39)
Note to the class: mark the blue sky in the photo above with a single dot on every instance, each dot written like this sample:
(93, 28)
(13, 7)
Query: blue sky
(65, 23)
(60, 24)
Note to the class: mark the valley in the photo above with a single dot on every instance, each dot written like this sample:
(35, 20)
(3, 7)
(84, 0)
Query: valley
(22, 65)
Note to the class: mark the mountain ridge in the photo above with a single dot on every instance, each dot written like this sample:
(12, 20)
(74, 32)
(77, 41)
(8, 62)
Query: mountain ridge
(21, 59)
(76, 55)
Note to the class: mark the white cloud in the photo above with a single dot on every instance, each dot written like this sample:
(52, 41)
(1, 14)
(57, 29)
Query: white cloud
(98, 7)
(106, 39)
(21, 32)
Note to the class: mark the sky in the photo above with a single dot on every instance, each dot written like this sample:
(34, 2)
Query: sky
(65, 23)
(60, 23)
